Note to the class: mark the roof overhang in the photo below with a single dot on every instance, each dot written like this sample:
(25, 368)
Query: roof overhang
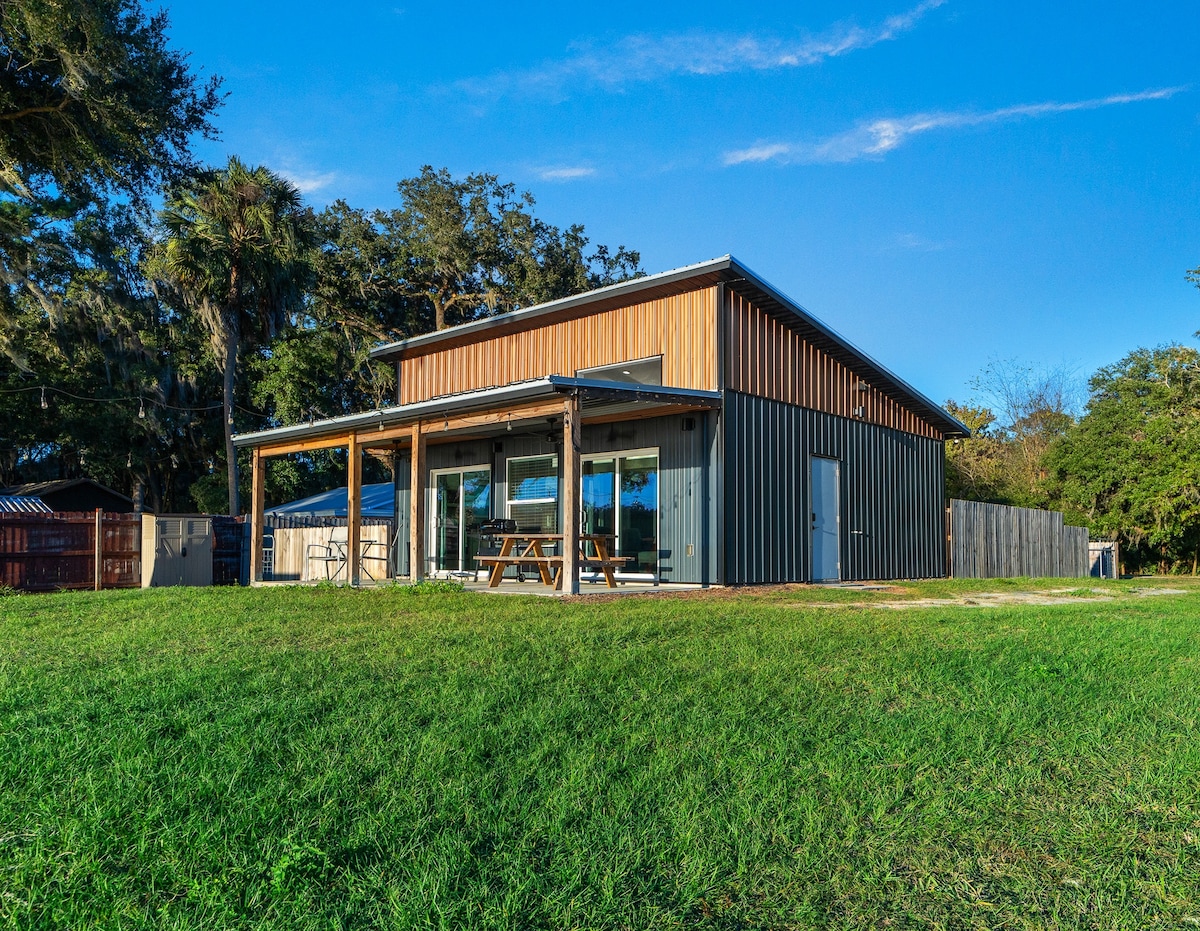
(598, 400)
(724, 270)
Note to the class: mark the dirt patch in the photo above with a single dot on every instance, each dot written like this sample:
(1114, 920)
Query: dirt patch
(872, 590)
(1054, 596)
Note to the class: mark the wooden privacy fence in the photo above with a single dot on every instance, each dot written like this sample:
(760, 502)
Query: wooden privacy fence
(995, 541)
(294, 560)
(47, 552)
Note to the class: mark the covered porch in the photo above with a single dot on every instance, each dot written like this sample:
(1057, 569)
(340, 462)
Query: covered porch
(556, 409)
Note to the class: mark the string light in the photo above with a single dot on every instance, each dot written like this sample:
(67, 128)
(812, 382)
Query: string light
(129, 460)
(141, 409)
(510, 422)
(174, 461)
(44, 404)
(92, 399)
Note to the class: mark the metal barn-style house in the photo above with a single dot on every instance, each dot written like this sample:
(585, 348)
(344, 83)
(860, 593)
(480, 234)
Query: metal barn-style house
(699, 421)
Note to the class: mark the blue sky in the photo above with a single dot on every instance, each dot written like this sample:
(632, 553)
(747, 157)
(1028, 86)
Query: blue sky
(944, 182)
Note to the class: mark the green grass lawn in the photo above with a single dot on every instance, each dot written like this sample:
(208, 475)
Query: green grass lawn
(798, 758)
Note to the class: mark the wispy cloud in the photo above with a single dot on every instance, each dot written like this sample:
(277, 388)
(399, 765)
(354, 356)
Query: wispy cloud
(565, 173)
(309, 183)
(876, 138)
(640, 58)
(911, 242)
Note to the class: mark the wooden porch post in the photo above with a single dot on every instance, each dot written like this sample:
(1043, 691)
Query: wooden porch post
(354, 512)
(257, 509)
(416, 507)
(99, 548)
(572, 446)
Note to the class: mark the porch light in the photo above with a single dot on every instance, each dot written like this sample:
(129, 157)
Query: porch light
(510, 421)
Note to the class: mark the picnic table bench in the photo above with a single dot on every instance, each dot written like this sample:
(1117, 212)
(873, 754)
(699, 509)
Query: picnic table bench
(549, 567)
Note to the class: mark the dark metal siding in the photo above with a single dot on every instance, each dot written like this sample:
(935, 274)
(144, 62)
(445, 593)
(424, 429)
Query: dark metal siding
(892, 494)
(687, 512)
(687, 482)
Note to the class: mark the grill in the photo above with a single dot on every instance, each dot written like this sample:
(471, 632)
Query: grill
(488, 546)
(495, 525)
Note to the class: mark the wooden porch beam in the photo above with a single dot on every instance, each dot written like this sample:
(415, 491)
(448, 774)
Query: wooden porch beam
(416, 506)
(354, 512)
(372, 437)
(572, 448)
(258, 484)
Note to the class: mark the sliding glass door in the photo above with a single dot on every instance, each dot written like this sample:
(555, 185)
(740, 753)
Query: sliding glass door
(620, 497)
(462, 501)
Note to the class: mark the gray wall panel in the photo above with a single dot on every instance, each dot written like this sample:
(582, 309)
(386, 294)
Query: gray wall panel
(892, 487)
(687, 481)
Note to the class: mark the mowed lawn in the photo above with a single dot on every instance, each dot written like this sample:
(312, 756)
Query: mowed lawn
(327, 758)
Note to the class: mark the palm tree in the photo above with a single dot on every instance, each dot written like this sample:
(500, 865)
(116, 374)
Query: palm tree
(238, 244)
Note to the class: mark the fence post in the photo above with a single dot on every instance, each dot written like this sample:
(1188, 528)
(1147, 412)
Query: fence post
(99, 549)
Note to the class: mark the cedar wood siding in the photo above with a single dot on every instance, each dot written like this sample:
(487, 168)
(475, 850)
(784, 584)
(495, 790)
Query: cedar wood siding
(681, 328)
(768, 359)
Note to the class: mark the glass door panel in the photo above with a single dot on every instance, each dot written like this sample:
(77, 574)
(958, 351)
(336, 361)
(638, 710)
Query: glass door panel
(477, 507)
(447, 522)
(462, 501)
(638, 538)
(619, 496)
(599, 498)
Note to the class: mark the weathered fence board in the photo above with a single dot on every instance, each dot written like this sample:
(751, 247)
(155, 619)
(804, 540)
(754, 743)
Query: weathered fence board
(47, 552)
(293, 560)
(993, 541)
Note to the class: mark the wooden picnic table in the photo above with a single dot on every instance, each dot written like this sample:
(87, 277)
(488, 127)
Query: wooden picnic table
(521, 549)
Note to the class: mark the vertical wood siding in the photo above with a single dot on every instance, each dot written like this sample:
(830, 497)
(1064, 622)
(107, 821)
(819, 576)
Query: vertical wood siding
(768, 359)
(682, 329)
(891, 495)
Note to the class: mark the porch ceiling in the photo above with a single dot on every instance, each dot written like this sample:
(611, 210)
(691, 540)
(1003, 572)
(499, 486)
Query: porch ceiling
(482, 413)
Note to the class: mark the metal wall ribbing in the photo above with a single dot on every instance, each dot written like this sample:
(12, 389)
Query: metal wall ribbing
(892, 488)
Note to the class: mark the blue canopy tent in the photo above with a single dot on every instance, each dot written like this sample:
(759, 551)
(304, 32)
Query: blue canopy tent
(378, 501)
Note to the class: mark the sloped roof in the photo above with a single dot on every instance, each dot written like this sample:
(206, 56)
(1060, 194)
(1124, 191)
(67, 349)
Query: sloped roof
(378, 500)
(23, 504)
(616, 395)
(725, 269)
(33, 489)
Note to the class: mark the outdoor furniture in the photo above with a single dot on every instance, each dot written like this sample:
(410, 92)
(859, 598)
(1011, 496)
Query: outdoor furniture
(520, 549)
(335, 554)
(332, 553)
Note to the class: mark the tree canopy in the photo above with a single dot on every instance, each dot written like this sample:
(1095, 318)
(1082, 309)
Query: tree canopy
(93, 99)
(473, 247)
(1131, 466)
(238, 245)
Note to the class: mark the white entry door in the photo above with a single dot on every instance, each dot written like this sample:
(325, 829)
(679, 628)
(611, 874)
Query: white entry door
(826, 521)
